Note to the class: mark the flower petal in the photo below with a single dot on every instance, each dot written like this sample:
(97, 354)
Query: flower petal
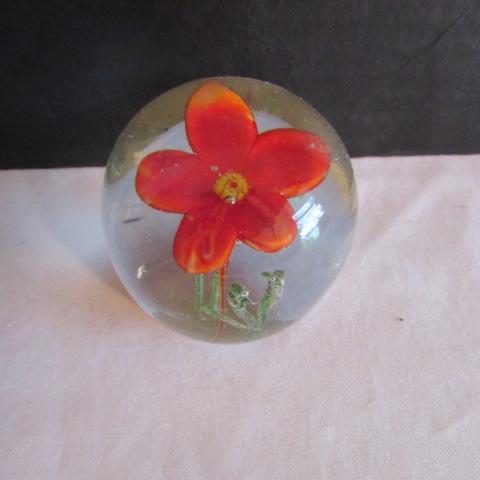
(287, 161)
(220, 126)
(172, 181)
(264, 221)
(205, 237)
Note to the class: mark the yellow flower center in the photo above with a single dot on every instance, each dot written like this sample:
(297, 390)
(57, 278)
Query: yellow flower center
(231, 187)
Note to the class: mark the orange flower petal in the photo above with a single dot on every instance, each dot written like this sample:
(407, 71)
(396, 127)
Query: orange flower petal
(220, 126)
(172, 181)
(264, 221)
(287, 161)
(205, 237)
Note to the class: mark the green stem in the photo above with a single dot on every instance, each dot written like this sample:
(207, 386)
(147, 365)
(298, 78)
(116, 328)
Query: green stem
(276, 281)
(214, 304)
(199, 290)
(238, 297)
(224, 318)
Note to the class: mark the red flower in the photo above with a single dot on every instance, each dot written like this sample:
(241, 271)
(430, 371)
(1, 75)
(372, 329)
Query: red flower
(236, 183)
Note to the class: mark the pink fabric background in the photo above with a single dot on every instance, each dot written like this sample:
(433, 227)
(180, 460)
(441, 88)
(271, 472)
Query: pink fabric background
(380, 381)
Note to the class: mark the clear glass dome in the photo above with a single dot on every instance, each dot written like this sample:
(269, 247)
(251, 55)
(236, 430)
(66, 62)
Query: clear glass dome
(259, 293)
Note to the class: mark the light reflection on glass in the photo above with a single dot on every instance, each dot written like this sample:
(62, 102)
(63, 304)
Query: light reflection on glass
(308, 219)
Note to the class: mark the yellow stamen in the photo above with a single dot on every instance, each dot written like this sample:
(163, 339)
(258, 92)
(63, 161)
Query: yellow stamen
(231, 187)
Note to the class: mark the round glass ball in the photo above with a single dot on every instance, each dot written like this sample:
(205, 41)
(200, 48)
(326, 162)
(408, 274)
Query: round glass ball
(256, 293)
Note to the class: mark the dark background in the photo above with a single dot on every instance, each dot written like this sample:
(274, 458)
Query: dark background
(393, 77)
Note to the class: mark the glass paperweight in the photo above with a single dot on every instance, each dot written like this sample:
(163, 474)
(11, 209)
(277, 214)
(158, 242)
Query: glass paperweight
(229, 207)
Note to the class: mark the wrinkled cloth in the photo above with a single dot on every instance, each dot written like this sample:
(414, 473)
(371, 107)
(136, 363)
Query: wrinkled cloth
(380, 381)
